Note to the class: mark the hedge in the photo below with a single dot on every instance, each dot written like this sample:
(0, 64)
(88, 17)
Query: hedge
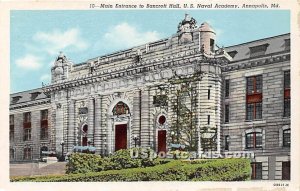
(208, 170)
(84, 163)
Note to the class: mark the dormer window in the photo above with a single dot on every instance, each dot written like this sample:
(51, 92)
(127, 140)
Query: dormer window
(287, 44)
(258, 50)
(34, 95)
(15, 99)
(232, 53)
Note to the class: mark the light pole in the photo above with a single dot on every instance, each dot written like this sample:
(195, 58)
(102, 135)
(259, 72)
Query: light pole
(172, 135)
(62, 143)
(135, 138)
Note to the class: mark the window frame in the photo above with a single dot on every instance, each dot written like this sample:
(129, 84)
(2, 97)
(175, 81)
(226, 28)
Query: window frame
(256, 166)
(286, 143)
(286, 94)
(226, 113)
(227, 88)
(27, 153)
(11, 127)
(226, 145)
(254, 95)
(253, 138)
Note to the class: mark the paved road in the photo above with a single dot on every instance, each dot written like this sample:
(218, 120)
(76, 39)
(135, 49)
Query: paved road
(29, 169)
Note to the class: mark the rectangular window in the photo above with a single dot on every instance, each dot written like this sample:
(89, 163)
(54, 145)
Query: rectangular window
(253, 140)
(44, 124)
(208, 94)
(226, 142)
(44, 115)
(27, 154)
(254, 97)
(11, 128)
(27, 117)
(256, 171)
(227, 86)
(27, 134)
(287, 138)
(27, 126)
(287, 94)
(226, 113)
(208, 119)
(212, 45)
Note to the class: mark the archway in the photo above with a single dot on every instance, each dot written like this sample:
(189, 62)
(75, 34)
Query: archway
(84, 141)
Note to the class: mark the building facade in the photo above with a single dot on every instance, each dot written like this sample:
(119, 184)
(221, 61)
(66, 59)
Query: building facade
(182, 90)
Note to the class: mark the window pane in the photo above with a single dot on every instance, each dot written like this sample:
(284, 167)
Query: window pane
(258, 111)
(287, 80)
(250, 111)
(258, 84)
(250, 87)
(258, 143)
(249, 140)
(226, 113)
(287, 107)
(287, 138)
(256, 171)
(226, 88)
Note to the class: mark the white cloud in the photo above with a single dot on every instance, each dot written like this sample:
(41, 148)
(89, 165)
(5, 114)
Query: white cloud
(30, 62)
(124, 35)
(45, 77)
(58, 40)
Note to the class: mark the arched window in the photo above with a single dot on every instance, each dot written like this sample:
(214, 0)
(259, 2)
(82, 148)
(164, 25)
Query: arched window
(254, 140)
(120, 109)
(287, 138)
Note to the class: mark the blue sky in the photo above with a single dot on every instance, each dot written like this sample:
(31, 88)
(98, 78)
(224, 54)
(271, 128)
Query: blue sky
(38, 36)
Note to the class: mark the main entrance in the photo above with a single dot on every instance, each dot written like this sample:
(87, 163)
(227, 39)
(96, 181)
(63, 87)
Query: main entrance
(121, 137)
(161, 141)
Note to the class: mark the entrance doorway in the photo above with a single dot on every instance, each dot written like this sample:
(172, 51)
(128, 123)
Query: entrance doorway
(161, 141)
(121, 137)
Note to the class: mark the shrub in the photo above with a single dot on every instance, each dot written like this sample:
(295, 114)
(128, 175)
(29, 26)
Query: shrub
(122, 159)
(84, 163)
(210, 170)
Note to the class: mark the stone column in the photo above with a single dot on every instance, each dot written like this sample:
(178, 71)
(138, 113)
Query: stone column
(145, 125)
(218, 112)
(97, 134)
(199, 149)
(71, 126)
(91, 120)
(58, 128)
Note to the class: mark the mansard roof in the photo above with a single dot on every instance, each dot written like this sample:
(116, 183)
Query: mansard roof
(27, 96)
(275, 44)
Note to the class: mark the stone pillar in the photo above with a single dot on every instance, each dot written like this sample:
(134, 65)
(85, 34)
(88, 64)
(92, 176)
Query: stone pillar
(91, 120)
(198, 124)
(58, 128)
(97, 134)
(71, 126)
(145, 125)
(218, 112)
(136, 118)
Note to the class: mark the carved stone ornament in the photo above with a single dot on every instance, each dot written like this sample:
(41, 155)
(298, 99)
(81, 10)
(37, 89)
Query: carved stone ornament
(187, 24)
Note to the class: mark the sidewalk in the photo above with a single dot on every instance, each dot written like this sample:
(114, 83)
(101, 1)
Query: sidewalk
(30, 169)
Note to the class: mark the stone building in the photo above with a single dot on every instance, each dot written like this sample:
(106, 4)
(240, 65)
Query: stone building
(183, 90)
